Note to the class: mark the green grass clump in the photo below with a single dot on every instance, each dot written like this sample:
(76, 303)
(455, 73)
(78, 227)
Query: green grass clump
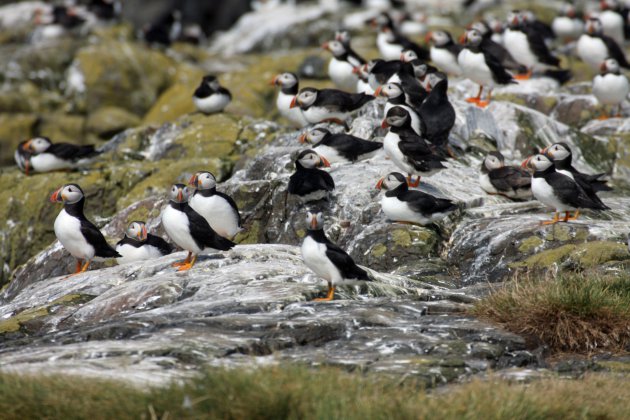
(301, 393)
(572, 313)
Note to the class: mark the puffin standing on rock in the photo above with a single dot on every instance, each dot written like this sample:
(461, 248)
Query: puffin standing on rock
(341, 66)
(289, 86)
(328, 105)
(508, 181)
(558, 190)
(326, 259)
(39, 154)
(219, 209)
(188, 229)
(210, 97)
(340, 147)
(308, 182)
(403, 205)
(138, 245)
(611, 87)
(593, 47)
(76, 233)
(444, 52)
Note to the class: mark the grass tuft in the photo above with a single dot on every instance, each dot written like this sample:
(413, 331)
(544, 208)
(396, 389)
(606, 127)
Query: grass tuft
(572, 313)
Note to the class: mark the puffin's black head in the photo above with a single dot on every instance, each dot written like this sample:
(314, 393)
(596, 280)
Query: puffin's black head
(407, 56)
(558, 151)
(314, 136)
(392, 181)
(372, 63)
(37, 145)
(439, 38)
(593, 26)
(389, 90)
(315, 221)
(137, 230)
(211, 81)
(420, 68)
(305, 98)
(471, 38)
(494, 160)
(309, 159)
(396, 117)
(609, 65)
(203, 180)
(68, 194)
(180, 193)
(538, 163)
(337, 48)
(286, 79)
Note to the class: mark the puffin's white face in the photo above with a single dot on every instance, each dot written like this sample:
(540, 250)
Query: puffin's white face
(306, 97)
(408, 55)
(68, 194)
(396, 117)
(528, 16)
(203, 180)
(180, 193)
(392, 181)
(492, 162)
(137, 230)
(558, 151)
(286, 80)
(310, 159)
(419, 69)
(37, 145)
(314, 136)
(479, 27)
(610, 65)
(539, 162)
(389, 90)
(335, 47)
(315, 221)
(440, 38)
(472, 38)
(593, 26)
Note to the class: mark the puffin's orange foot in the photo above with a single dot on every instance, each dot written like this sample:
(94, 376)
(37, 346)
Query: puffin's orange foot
(523, 76)
(472, 100)
(179, 264)
(483, 104)
(329, 296)
(574, 217)
(185, 267)
(603, 117)
(556, 219)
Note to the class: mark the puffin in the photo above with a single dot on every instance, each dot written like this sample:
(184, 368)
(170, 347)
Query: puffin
(289, 86)
(496, 49)
(402, 205)
(210, 97)
(219, 209)
(164, 30)
(557, 190)
(397, 97)
(308, 182)
(437, 115)
(509, 181)
(544, 29)
(610, 87)
(613, 20)
(328, 260)
(568, 24)
(76, 233)
(444, 52)
(40, 154)
(188, 229)
(380, 71)
(526, 43)
(342, 64)
(332, 105)
(562, 158)
(481, 67)
(391, 43)
(340, 147)
(408, 151)
(363, 82)
(593, 47)
(138, 245)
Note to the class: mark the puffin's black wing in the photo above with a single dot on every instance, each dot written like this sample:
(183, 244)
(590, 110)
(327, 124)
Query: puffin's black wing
(306, 181)
(351, 147)
(454, 49)
(509, 178)
(502, 54)
(437, 115)
(203, 234)
(538, 46)
(338, 99)
(414, 91)
(203, 91)
(595, 181)
(164, 247)
(355, 59)
(569, 192)
(499, 74)
(614, 51)
(232, 204)
(419, 155)
(383, 70)
(425, 203)
(224, 91)
(97, 240)
(69, 151)
(345, 263)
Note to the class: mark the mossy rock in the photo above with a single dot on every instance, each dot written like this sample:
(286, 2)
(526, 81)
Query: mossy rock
(62, 127)
(13, 129)
(578, 256)
(45, 63)
(107, 121)
(540, 103)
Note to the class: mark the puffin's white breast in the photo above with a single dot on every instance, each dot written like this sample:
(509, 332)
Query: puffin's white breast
(543, 192)
(593, 51)
(218, 212)
(445, 61)
(212, 104)
(176, 226)
(314, 256)
(131, 253)
(292, 114)
(610, 89)
(475, 68)
(68, 232)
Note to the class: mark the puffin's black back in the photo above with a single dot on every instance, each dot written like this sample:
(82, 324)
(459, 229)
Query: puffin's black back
(202, 232)
(90, 232)
(437, 115)
(340, 258)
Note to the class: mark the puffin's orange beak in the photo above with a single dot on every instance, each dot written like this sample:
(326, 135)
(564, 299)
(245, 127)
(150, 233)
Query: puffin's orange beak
(324, 162)
(193, 180)
(28, 146)
(180, 196)
(314, 221)
(603, 5)
(428, 36)
(293, 102)
(379, 184)
(602, 67)
(56, 196)
(514, 20)
(543, 151)
(384, 124)
(378, 91)
(325, 46)
(274, 81)
(526, 162)
(302, 138)
(355, 70)
(144, 232)
(463, 39)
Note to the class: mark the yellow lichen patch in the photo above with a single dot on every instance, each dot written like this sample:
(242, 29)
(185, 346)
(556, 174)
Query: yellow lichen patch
(15, 322)
(585, 255)
(530, 243)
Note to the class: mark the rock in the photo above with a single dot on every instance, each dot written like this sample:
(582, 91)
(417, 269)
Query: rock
(62, 128)
(13, 129)
(108, 121)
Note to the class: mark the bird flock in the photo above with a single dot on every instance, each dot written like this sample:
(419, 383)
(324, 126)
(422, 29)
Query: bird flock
(412, 83)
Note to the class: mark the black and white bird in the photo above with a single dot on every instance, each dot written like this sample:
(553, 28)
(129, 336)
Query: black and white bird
(289, 87)
(567, 25)
(396, 96)
(328, 260)
(437, 115)
(164, 30)
(509, 181)
(408, 151)
(342, 64)
(219, 209)
(558, 191)
(594, 47)
(340, 147)
(363, 84)
(613, 20)
(308, 182)
(611, 87)
(188, 229)
(328, 105)
(402, 205)
(391, 43)
(481, 67)
(210, 97)
(76, 233)
(562, 158)
(40, 154)
(444, 52)
(138, 245)
(495, 48)
(380, 71)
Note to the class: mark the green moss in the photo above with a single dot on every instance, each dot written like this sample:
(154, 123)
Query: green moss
(109, 120)
(13, 129)
(528, 244)
(173, 103)
(586, 255)
(62, 127)
(615, 366)
(401, 237)
(378, 250)
(14, 323)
